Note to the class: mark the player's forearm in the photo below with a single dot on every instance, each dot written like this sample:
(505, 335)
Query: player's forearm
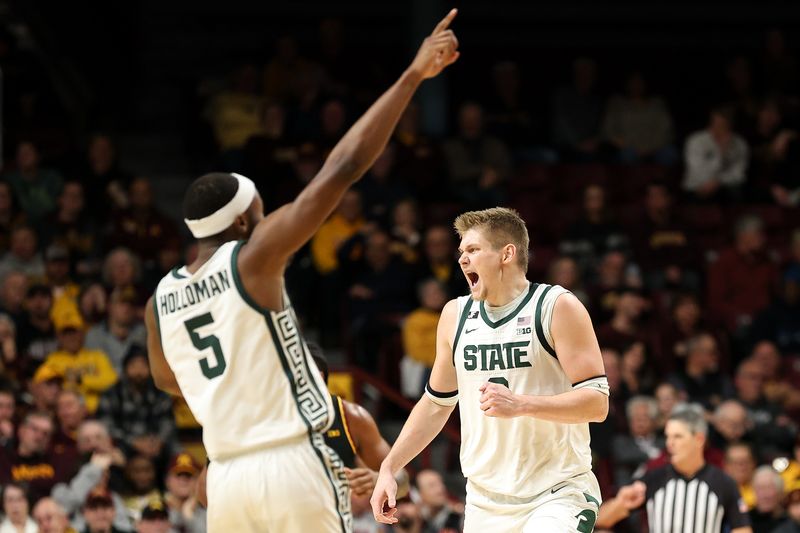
(572, 407)
(367, 138)
(611, 512)
(425, 422)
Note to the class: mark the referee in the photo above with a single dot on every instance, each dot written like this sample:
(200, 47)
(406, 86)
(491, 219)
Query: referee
(687, 495)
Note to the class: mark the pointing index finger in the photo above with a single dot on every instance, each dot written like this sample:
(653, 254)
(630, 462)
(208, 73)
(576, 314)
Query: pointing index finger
(445, 22)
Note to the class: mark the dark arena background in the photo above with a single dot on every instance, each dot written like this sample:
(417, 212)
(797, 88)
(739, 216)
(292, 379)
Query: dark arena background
(653, 148)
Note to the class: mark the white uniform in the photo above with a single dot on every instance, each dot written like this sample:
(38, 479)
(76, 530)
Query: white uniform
(248, 378)
(523, 473)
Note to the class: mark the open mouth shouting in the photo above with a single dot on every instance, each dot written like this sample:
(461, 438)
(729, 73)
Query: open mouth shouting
(472, 279)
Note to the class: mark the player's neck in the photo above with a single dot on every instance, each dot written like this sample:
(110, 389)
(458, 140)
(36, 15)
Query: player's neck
(507, 292)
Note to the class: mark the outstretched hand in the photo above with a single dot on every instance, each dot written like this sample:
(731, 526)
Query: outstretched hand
(438, 50)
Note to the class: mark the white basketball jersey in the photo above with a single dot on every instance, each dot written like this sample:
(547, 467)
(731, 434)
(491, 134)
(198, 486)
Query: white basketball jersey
(244, 371)
(520, 456)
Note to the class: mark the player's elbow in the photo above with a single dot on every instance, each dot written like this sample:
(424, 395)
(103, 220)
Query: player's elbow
(599, 408)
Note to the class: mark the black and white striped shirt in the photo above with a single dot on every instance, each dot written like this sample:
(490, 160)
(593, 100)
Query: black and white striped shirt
(709, 502)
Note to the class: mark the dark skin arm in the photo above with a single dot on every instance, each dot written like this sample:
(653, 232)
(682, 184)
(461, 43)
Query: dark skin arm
(162, 374)
(277, 237)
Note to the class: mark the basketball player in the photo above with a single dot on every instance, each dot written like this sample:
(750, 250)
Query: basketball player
(355, 438)
(222, 334)
(521, 359)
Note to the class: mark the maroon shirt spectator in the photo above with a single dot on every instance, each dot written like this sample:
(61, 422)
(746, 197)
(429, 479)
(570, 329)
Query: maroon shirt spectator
(743, 279)
(70, 413)
(29, 463)
(142, 228)
(625, 326)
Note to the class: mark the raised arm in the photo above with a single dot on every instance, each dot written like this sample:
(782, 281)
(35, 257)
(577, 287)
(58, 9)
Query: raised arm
(282, 233)
(579, 356)
(426, 419)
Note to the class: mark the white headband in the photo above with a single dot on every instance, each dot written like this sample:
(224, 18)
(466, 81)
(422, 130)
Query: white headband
(222, 218)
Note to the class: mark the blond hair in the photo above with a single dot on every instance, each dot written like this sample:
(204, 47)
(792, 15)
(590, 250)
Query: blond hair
(500, 226)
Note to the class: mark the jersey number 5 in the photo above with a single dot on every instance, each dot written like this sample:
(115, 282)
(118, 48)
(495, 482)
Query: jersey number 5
(204, 343)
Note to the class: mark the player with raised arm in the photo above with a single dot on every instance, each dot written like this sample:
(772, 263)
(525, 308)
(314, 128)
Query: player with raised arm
(522, 361)
(222, 334)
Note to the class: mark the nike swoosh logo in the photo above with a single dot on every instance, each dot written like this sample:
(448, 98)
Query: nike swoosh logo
(469, 331)
(553, 491)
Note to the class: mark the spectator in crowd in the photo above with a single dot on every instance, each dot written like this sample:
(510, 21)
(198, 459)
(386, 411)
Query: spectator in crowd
(663, 243)
(185, 514)
(345, 222)
(267, 156)
(99, 472)
(626, 326)
(477, 164)
(577, 114)
(779, 322)
(88, 371)
(439, 261)
(138, 415)
(141, 487)
(743, 279)
(380, 189)
(23, 255)
(93, 303)
(29, 462)
(639, 125)
(142, 228)
(435, 506)
(235, 113)
(405, 230)
(768, 512)
(510, 118)
(773, 431)
(332, 125)
(73, 227)
(121, 331)
(70, 414)
(418, 159)
(636, 371)
(700, 377)
(57, 276)
(36, 188)
(35, 332)
(564, 271)
(122, 270)
(107, 183)
(12, 294)
(43, 390)
(284, 71)
(667, 397)
(10, 215)
(730, 423)
(740, 464)
(8, 345)
(792, 522)
(16, 509)
(685, 321)
(99, 513)
(782, 378)
(51, 517)
(631, 452)
(380, 291)
(614, 275)
(8, 404)
(154, 517)
(595, 233)
(419, 337)
(716, 160)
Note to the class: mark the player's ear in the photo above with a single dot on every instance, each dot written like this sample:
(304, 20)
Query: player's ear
(509, 253)
(242, 224)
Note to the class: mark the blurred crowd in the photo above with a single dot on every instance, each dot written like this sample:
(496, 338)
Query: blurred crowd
(683, 243)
